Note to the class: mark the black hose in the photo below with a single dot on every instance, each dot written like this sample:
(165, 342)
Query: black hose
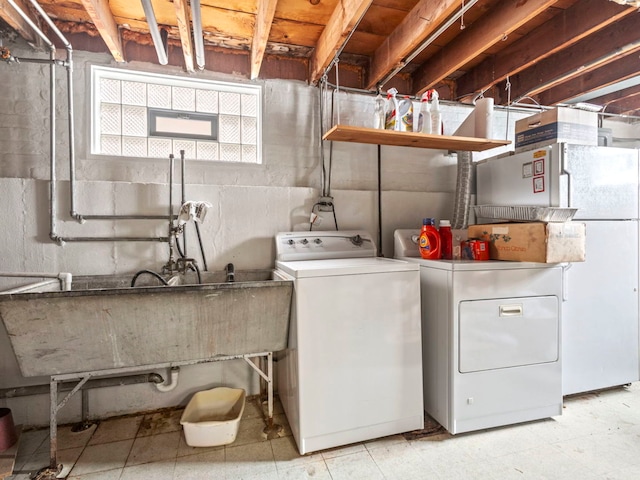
(195, 268)
(204, 260)
(164, 282)
(180, 251)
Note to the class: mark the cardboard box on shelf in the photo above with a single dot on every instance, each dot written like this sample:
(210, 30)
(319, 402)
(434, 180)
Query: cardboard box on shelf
(562, 124)
(543, 242)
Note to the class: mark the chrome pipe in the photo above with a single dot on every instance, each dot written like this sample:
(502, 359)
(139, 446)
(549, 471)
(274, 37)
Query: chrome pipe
(53, 192)
(155, 32)
(62, 240)
(29, 22)
(70, 109)
(198, 39)
(39, 60)
(182, 174)
(124, 217)
(43, 389)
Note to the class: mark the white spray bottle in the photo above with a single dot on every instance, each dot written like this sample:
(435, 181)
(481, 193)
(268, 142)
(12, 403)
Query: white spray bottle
(392, 119)
(424, 118)
(405, 115)
(379, 112)
(436, 116)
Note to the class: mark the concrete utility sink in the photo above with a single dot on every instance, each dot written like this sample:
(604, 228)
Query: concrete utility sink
(103, 323)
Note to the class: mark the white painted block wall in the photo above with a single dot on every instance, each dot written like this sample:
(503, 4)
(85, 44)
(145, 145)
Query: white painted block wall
(251, 203)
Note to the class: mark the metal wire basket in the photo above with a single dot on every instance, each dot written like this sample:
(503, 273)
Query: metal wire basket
(525, 213)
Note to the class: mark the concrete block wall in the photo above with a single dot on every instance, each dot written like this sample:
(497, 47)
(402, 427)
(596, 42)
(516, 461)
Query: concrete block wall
(251, 203)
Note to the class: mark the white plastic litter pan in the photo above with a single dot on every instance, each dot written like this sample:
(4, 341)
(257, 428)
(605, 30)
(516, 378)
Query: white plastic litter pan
(212, 417)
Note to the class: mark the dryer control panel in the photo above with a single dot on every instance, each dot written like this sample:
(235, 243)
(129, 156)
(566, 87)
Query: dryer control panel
(320, 245)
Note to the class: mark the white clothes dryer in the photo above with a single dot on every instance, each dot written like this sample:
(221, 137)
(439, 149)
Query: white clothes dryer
(490, 339)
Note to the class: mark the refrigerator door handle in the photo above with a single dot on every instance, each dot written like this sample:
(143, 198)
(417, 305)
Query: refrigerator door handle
(565, 281)
(564, 180)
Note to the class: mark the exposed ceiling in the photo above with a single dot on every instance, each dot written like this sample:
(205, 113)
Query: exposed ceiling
(518, 51)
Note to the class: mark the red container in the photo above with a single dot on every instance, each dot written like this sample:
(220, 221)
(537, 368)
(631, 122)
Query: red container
(429, 241)
(8, 435)
(474, 249)
(446, 244)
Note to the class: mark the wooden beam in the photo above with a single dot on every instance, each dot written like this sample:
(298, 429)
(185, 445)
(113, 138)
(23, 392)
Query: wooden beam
(184, 27)
(102, 18)
(621, 101)
(604, 46)
(565, 29)
(629, 106)
(622, 69)
(416, 27)
(343, 19)
(264, 19)
(503, 19)
(15, 21)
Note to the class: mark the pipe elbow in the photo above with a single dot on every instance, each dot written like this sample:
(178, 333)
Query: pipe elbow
(65, 280)
(55, 238)
(173, 381)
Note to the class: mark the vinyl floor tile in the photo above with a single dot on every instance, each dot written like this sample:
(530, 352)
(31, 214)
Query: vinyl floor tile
(596, 438)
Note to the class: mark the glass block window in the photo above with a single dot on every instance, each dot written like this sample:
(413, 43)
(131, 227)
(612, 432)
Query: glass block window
(123, 103)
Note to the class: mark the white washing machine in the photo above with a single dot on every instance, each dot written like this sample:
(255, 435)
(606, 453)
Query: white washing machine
(353, 367)
(490, 338)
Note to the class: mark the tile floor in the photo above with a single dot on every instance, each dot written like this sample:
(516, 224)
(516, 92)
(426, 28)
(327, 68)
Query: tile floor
(597, 437)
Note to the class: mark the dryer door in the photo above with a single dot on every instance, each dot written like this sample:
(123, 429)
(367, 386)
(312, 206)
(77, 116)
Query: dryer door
(508, 332)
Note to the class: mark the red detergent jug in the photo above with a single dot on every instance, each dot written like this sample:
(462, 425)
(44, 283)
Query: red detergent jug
(429, 241)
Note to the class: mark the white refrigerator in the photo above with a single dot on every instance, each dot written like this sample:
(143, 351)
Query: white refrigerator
(600, 333)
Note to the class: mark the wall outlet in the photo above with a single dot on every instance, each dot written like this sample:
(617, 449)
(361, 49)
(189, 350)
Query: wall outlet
(325, 204)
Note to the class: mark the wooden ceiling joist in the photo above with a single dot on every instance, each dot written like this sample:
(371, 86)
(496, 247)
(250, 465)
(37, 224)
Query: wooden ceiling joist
(416, 27)
(503, 19)
(101, 16)
(565, 29)
(601, 48)
(184, 28)
(264, 19)
(15, 21)
(344, 18)
(628, 106)
(621, 69)
(621, 101)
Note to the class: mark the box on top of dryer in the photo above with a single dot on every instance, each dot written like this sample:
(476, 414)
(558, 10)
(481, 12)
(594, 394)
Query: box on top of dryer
(543, 242)
(560, 125)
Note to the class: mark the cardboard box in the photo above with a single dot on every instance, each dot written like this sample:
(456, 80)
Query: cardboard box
(551, 242)
(560, 125)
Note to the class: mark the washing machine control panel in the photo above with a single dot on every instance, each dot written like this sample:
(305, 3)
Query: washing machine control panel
(292, 246)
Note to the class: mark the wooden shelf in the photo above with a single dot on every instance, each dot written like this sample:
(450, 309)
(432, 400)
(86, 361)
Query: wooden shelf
(348, 133)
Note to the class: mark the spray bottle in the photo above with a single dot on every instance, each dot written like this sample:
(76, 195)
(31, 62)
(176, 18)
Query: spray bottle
(405, 108)
(379, 112)
(391, 119)
(424, 118)
(436, 116)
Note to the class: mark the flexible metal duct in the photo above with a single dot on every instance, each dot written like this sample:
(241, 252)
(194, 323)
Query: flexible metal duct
(462, 200)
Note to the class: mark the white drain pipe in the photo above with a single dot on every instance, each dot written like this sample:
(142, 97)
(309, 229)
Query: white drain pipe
(173, 381)
(64, 277)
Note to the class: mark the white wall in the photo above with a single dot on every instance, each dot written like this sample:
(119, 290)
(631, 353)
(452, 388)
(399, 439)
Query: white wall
(251, 203)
